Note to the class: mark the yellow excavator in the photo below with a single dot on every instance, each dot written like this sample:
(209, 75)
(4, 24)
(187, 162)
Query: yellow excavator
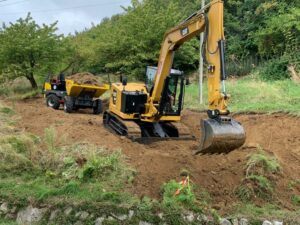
(137, 112)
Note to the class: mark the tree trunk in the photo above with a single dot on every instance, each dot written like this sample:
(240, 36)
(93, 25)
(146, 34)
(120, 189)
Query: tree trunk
(32, 81)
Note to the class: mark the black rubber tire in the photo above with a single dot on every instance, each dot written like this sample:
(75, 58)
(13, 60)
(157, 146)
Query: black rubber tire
(53, 101)
(98, 109)
(69, 104)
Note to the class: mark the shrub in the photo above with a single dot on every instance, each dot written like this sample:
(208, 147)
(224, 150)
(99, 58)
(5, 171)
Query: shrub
(275, 69)
(185, 198)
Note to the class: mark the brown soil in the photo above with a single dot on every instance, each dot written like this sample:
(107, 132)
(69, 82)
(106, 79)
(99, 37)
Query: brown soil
(85, 78)
(159, 162)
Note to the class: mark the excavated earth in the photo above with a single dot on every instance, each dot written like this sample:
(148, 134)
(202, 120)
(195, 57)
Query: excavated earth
(160, 161)
(85, 78)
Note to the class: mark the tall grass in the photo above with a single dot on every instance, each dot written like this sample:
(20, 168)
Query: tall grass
(252, 94)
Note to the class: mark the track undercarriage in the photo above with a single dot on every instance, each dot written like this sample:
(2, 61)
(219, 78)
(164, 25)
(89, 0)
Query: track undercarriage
(137, 130)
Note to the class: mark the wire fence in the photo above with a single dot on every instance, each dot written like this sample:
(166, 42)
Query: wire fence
(236, 67)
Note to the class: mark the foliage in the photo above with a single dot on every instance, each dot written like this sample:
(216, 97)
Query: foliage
(29, 50)
(296, 200)
(275, 69)
(186, 196)
(128, 42)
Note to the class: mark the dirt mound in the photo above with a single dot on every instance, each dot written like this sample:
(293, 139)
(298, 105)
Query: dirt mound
(85, 78)
(160, 161)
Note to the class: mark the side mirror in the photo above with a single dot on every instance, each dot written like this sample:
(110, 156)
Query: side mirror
(124, 81)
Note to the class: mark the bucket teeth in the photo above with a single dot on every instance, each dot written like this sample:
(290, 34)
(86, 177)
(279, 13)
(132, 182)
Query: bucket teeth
(221, 135)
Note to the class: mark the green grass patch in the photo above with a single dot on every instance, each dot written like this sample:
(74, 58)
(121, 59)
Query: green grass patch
(7, 222)
(259, 214)
(259, 182)
(7, 110)
(296, 200)
(186, 197)
(261, 159)
(250, 94)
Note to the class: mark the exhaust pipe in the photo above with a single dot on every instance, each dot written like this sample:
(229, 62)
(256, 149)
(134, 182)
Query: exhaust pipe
(221, 135)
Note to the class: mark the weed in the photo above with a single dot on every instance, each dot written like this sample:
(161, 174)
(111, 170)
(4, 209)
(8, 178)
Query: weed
(13, 162)
(296, 200)
(260, 213)
(7, 222)
(259, 180)
(50, 138)
(186, 197)
(261, 159)
(7, 110)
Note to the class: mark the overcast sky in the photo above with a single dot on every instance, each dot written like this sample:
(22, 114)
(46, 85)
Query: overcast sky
(71, 14)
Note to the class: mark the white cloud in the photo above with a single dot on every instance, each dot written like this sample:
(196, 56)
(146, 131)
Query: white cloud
(74, 15)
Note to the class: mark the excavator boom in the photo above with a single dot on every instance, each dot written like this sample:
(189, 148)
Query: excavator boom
(220, 133)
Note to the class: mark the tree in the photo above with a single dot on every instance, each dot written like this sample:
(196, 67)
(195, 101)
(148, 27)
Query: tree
(29, 50)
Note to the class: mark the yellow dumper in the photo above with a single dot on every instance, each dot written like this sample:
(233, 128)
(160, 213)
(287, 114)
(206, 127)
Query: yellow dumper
(82, 96)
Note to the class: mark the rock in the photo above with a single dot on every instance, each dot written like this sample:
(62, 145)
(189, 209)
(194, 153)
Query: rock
(235, 221)
(13, 210)
(144, 223)
(189, 217)
(277, 222)
(84, 215)
(99, 221)
(161, 215)
(243, 221)
(130, 214)
(224, 221)
(54, 214)
(266, 222)
(4, 208)
(68, 211)
(120, 217)
(30, 215)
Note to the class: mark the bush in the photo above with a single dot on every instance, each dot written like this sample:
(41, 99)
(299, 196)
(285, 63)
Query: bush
(185, 198)
(275, 69)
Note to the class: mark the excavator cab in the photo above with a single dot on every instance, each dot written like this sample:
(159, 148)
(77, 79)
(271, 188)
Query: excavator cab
(172, 96)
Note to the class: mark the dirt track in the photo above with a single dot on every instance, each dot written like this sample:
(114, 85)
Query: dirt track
(161, 161)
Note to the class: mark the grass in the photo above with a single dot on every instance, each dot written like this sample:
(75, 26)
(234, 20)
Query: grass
(37, 169)
(18, 89)
(250, 94)
(259, 177)
(7, 222)
(258, 214)
(296, 200)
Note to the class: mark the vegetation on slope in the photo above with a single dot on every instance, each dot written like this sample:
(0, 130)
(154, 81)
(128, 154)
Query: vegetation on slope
(128, 42)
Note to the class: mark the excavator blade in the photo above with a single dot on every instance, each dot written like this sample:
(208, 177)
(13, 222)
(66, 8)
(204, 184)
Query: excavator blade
(220, 136)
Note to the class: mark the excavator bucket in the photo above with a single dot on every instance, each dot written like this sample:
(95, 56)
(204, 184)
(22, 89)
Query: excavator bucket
(220, 136)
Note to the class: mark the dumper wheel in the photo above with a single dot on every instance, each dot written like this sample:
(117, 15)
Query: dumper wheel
(52, 101)
(69, 104)
(98, 107)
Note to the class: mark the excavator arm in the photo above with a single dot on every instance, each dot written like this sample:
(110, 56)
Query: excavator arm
(220, 133)
(212, 24)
